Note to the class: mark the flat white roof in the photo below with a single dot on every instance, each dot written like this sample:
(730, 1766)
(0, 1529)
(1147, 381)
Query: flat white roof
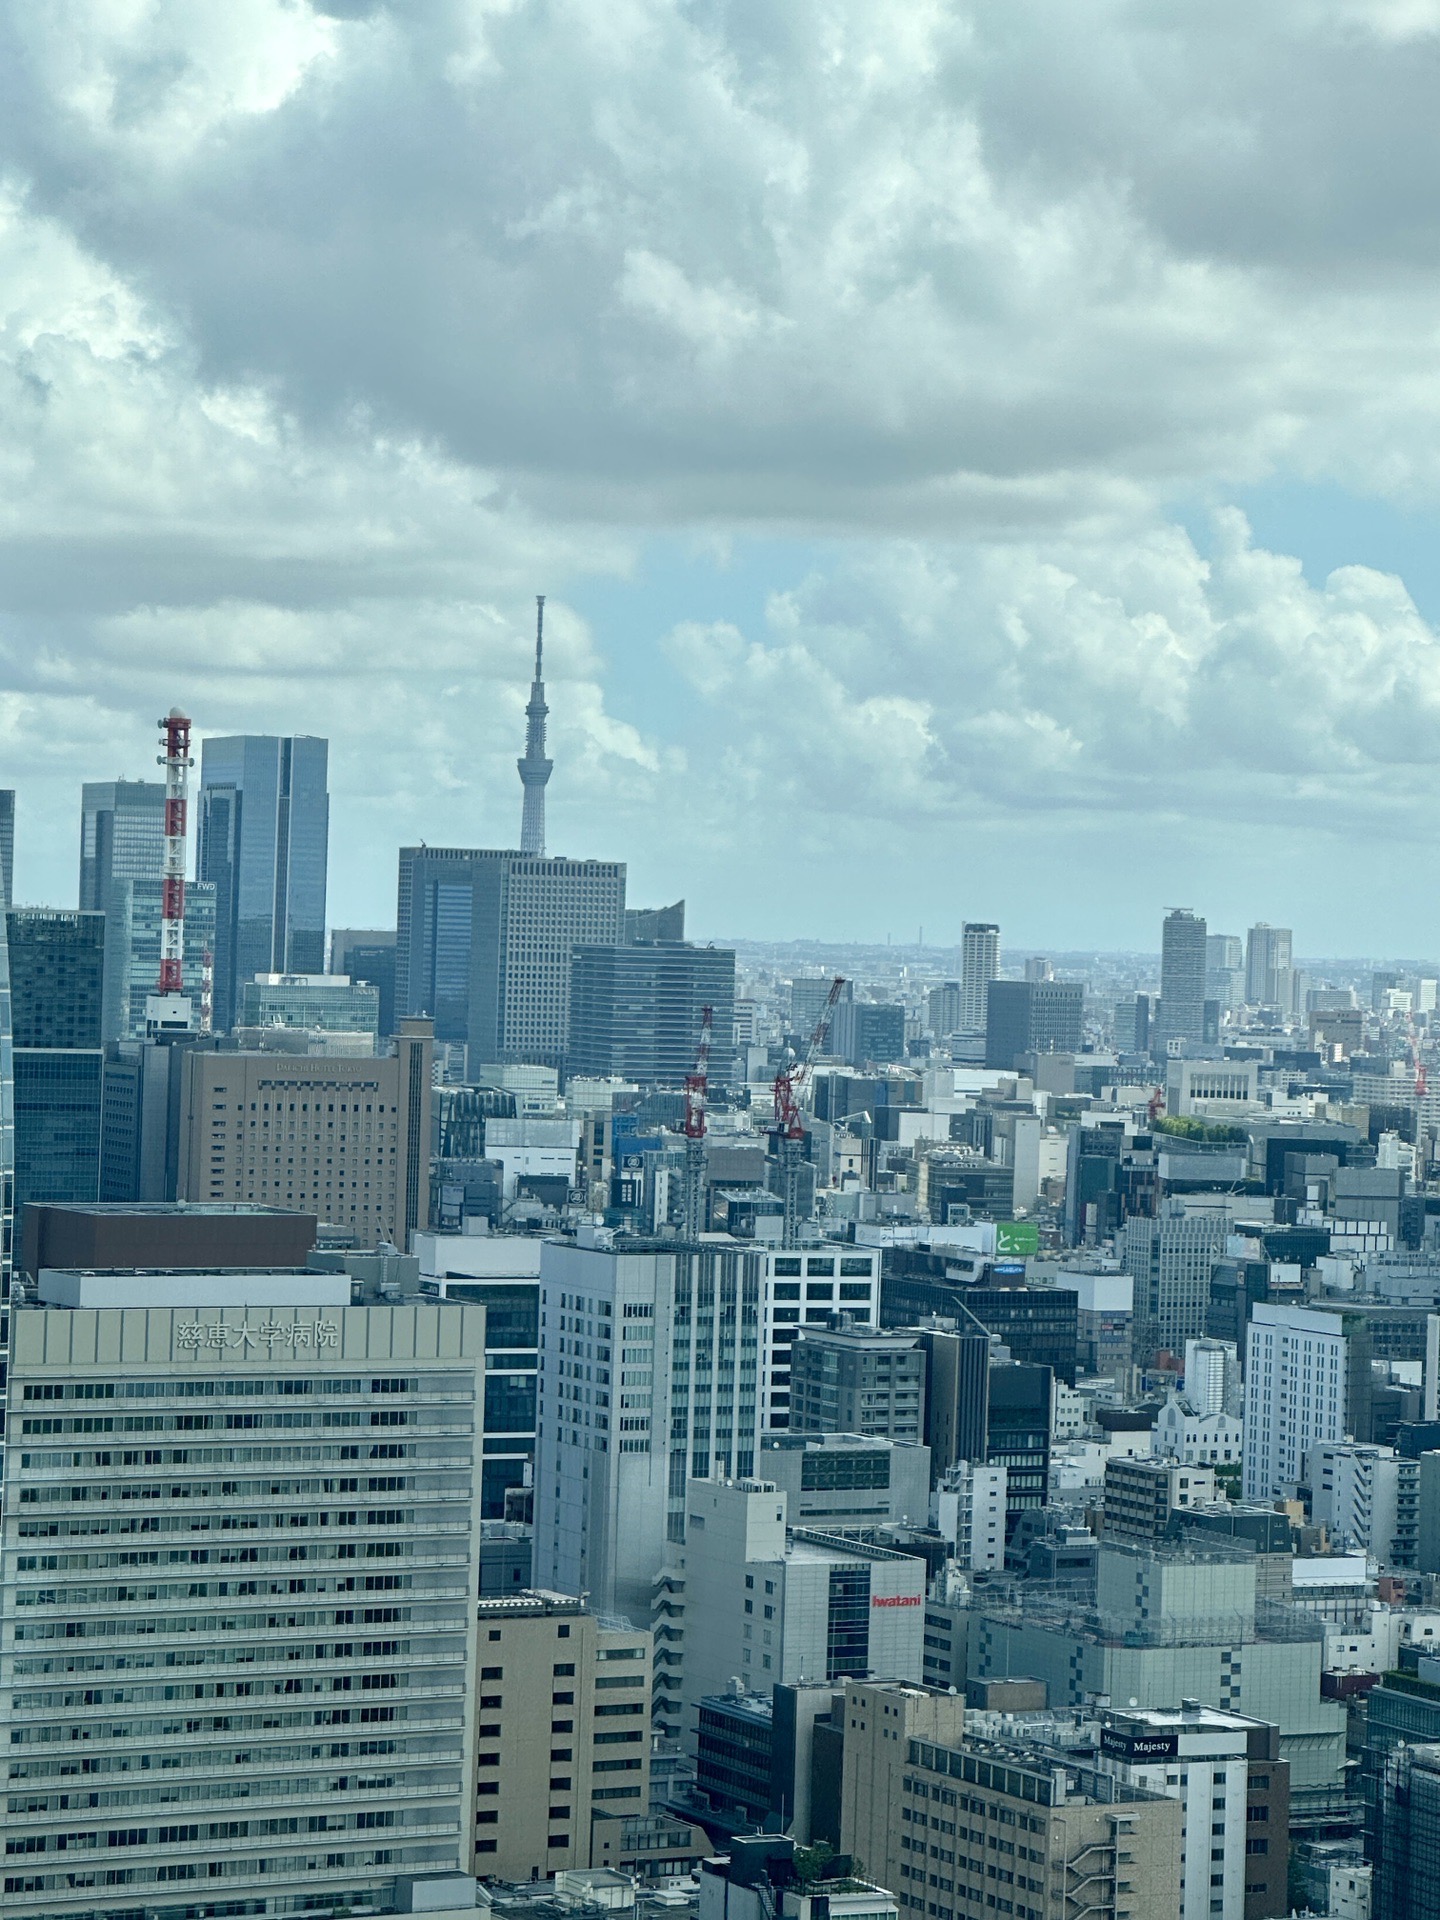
(279, 1287)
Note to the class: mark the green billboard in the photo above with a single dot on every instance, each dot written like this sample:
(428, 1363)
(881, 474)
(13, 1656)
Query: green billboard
(1016, 1239)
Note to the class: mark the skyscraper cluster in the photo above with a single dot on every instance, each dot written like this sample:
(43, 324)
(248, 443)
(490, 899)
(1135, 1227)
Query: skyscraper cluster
(520, 1409)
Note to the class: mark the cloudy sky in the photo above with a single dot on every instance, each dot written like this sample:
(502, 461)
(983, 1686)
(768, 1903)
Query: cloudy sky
(983, 459)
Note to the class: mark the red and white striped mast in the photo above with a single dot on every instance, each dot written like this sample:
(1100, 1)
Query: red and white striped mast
(175, 740)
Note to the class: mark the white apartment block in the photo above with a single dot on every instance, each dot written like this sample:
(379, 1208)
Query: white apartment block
(969, 1510)
(1295, 1392)
(238, 1566)
(1369, 1498)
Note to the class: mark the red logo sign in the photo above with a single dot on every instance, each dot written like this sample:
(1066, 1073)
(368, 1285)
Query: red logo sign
(895, 1600)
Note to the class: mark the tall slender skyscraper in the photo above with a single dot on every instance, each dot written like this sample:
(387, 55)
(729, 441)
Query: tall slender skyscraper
(534, 767)
(1182, 976)
(264, 841)
(979, 965)
(7, 846)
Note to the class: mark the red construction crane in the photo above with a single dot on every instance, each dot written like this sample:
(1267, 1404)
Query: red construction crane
(790, 1081)
(697, 1089)
(697, 1084)
(788, 1129)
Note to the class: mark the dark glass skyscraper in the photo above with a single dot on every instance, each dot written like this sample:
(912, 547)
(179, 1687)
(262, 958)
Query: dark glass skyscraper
(484, 943)
(636, 1011)
(264, 842)
(122, 836)
(7, 845)
(56, 971)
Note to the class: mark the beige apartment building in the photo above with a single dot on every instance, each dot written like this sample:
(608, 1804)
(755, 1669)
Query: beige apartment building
(962, 1829)
(544, 1658)
(347, 1140)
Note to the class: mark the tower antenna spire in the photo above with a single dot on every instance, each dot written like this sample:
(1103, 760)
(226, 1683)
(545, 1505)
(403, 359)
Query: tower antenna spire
(534, 768)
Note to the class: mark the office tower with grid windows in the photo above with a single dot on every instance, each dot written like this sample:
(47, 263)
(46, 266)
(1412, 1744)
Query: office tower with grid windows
(368, 954)
(649, 1374)
(122, 836)
(636, 1011)
(485, 940)
(56, 979)
(1268, 965)
(264, 846)
(239, 1653)
(345, 1139)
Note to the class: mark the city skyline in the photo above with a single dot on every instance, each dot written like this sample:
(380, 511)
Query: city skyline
(1064, 508)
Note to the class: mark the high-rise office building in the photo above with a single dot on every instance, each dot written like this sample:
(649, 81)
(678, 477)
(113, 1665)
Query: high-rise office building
(56, 978)
(808, 1001)
(1268, 966)
(857, 1379)
(7, 846)
(1182, 977)
(7, 1125)
(636, 1012)
(1170, 1257)
(648, 1377)
(867, 1033)
(134, 911)
(345, 1139)
(1032, 1016)
(1224, 970)
(485, 940)
(322, 1002)
(274, 1701)
(368, 954)
(979, 965)
(264, 842)
(655, 923)
(942, 1007)
(122, 837)
(1132, 1024)
(1407, 1854)
(776, 1604)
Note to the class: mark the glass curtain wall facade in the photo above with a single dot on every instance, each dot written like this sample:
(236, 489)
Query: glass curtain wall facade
(264, 842)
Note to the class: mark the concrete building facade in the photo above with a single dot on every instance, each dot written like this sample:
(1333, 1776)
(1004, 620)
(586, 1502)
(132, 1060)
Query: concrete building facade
(346, 1140)
(273, 1694)
(562, 1733)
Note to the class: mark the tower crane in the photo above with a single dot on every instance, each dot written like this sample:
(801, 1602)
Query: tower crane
(697, 1090)
(788, 1128)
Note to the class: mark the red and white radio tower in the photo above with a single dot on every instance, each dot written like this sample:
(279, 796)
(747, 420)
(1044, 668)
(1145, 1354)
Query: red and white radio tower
(175, 737)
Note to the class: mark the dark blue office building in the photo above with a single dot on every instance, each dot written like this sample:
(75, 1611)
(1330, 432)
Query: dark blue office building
(56, 977)
(264, 843)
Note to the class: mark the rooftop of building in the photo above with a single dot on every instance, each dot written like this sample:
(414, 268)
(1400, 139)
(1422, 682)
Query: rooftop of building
(808, 1543)
(538, 1603)
(806, 1442)
(151, 1209)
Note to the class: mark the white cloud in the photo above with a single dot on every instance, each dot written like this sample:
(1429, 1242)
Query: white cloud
(328, 333)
